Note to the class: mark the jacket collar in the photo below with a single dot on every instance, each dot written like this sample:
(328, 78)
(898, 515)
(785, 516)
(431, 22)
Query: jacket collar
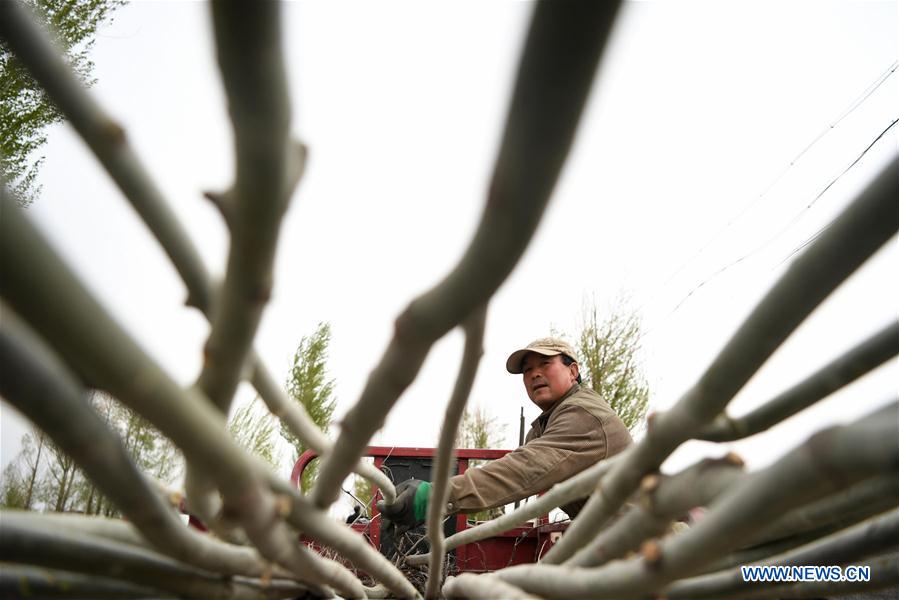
(544, 416)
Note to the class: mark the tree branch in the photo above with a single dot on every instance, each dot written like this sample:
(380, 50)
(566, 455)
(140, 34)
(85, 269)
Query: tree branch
(851, 238)
(107, 141)
(662, 499)
(469, 585)
(108, 559)
(830, 460)
(806, 524)
(100, 351)
(45, 391)
(576, 487)
(20, 581)
(864, 540)
(314, 522)
(471, 357)
(555, 73)
(884, 576)
(856, 504)
(840, 372)
(248, 40)
(306, 430)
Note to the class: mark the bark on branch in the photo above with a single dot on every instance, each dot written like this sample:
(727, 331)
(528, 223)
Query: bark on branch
(840, 372)
(661, 500)
(108, 142)
(469, 585)
(35, 382)
(101, 352)
(59, 550)
(248, 40)
(884, 576)
(859, 542)
(471, 357)
(20, 581)
(314, 522)
(856, 504)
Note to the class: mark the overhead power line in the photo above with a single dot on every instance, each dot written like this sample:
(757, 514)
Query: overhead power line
(781, 231)
(857, 102)
(827, 187)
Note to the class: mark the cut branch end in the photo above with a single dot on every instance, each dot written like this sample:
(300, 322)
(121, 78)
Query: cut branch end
(652, 554)
(732, 458)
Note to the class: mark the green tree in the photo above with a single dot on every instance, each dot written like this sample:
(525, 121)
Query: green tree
(43, 476)
(479, 430)
(153, 453)
(254, 430)
(21, 483)
(25, 108)
(12, 488)
(62, 473)
(609, 360)
(308, 385)
(363, 490)
(37, 441)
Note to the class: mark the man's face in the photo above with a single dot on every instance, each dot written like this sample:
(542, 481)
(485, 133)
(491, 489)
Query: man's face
(546, 378)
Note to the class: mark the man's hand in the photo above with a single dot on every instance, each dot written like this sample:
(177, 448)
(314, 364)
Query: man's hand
(411, 506)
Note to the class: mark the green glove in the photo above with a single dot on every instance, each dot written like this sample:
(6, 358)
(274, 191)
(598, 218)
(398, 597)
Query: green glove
(411, 506)
(420, 503)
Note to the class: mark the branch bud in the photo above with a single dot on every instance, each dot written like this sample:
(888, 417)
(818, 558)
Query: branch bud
(650, 418)
(652, 553)
(732, 458)
(283, 506)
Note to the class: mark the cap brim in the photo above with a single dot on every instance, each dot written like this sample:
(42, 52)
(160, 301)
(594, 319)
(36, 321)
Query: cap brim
(513, 363)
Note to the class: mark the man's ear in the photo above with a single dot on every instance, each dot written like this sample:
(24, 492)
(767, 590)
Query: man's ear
(575, 370)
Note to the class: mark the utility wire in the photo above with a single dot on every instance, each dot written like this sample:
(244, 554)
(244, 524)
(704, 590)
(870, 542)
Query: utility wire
(779, 233)
(827, 187)
(858, 101)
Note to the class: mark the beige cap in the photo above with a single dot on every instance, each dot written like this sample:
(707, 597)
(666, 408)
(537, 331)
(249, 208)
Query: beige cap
(545, 346)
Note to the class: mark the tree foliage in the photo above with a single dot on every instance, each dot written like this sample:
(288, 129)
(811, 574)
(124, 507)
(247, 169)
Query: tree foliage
(254, 430)
(42, 476)
(363, 490)
(13, 491)
(479, 430)
(20, 478)
(609, 361)
(308, 385)
(25, 108)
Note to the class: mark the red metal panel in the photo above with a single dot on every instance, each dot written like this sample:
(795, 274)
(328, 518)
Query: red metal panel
(521, 545)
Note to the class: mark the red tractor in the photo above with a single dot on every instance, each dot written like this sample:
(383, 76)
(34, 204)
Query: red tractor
(521, 545)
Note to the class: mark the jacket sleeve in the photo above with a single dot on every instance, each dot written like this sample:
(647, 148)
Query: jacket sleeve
(573, 441)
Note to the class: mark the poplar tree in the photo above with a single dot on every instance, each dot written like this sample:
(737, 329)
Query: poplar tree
(479, 430)
(254, 430)
(25, 109)
(308, 384)
(609, 359)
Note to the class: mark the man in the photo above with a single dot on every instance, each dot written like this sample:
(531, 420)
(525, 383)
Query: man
(576, 429)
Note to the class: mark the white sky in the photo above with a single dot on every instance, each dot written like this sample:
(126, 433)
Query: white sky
(698, 108)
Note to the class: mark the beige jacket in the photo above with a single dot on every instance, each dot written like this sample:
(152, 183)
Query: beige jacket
(573, 434)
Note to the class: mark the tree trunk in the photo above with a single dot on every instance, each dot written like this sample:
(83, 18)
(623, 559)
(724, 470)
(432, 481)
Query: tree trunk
(34, 470)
